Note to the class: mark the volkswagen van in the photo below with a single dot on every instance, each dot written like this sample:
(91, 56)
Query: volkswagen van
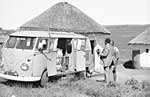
(37, 55)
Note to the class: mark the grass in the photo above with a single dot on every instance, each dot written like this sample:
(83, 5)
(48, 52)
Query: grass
(78, 88)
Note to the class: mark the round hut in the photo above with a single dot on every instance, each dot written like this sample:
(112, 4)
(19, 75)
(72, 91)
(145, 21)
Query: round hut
(140, 47)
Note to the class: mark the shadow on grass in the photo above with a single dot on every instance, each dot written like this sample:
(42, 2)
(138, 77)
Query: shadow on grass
(11, 83)
(52, 81)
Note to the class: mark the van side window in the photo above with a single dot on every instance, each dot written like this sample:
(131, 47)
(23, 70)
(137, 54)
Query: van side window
(81, 44)
(75, 41)
(69, 46)
(65, 44)
(42, 44)
(53, 44)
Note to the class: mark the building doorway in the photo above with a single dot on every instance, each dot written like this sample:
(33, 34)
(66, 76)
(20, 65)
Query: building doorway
(135, 53)
(92, 45)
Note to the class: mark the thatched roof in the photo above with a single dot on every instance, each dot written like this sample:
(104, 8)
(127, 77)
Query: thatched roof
(64, 17)
(143, 38)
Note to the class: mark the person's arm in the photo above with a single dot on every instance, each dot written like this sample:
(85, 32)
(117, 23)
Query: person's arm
(117, 53)
(104, 53)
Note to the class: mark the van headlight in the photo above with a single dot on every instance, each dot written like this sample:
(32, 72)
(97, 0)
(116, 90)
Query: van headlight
(24, 66)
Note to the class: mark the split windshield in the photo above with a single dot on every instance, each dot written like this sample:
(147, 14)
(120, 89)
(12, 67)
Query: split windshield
(20, 42)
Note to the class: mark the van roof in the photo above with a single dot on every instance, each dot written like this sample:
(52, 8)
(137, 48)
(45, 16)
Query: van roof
(47, 34)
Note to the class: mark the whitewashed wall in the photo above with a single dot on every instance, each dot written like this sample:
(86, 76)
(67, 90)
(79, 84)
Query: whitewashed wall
(144, 58)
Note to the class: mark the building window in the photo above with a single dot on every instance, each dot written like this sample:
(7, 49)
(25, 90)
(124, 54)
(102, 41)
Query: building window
(147, 50)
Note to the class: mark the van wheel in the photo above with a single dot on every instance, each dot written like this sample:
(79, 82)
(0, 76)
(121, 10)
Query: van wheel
(44, 79)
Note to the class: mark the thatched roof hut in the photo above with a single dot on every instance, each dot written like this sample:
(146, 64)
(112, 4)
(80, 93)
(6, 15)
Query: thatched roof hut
(141, 39)
(66, 17)
(140, 47)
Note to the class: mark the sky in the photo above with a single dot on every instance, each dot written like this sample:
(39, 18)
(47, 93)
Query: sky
(14, 13)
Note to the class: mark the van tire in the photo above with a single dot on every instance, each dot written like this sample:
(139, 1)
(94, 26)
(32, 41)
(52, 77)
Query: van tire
(44, 79)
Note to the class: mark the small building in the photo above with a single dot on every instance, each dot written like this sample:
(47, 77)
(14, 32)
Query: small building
(140, 47)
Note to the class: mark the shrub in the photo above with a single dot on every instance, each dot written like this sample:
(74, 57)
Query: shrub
(112, 84)
(145, 84)
(131, 81)
(135, 85)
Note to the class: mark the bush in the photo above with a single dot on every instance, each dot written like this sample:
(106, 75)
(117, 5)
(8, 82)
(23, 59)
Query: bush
(135, 85)
(112, 84)
(145, 85)
(131, 81)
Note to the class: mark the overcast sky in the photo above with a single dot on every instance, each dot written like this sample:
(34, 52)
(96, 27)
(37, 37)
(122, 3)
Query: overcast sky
(14, 13)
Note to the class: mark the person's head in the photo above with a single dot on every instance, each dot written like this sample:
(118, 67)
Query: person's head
(107, 40)
(112, 43)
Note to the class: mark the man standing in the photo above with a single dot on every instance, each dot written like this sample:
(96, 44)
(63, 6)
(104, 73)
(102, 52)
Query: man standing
(107, 56)
(115, 61)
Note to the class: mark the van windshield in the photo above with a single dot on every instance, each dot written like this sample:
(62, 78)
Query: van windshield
(11, 42)
(20, 42)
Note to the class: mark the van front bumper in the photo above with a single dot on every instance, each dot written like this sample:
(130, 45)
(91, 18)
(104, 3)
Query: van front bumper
(19, 78)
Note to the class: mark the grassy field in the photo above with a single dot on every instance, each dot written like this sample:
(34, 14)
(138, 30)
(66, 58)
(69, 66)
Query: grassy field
(86, 87)
(78, 88)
